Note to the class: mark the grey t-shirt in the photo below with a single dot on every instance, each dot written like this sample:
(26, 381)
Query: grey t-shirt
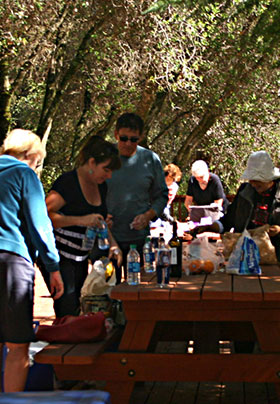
(136, 187)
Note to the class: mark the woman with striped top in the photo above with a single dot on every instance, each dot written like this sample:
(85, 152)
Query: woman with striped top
(77, 200)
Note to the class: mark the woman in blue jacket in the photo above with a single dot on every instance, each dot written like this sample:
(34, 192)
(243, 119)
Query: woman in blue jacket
(25, 228)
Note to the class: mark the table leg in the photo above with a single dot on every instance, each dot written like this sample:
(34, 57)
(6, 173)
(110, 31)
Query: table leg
(120, 391)
(268, 335)
(137, 335)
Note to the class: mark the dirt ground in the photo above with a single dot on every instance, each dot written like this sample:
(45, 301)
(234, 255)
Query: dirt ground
(43, 303)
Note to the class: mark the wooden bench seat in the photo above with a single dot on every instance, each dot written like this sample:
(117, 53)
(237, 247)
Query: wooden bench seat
(81, 353)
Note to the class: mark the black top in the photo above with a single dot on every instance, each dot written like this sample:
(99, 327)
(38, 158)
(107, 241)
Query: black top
(69, 239)
(211, 193)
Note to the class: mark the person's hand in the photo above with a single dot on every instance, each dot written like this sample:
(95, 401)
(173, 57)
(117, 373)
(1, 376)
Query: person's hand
(273, 230)
(109, 220)
(140, 222)
(116, 253)
(214, 227)
(56, 283)
(94, 220)
(199, 229)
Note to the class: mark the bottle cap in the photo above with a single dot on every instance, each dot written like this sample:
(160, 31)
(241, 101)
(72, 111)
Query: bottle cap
(132, 245)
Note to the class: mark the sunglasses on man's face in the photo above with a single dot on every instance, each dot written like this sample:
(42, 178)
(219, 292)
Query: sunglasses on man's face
(133, 139)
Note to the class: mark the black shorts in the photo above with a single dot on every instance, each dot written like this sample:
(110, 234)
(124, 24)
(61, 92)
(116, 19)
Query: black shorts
(16, 298)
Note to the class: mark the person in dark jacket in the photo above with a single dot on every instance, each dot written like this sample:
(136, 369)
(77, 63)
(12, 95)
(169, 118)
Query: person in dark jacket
(256, 203)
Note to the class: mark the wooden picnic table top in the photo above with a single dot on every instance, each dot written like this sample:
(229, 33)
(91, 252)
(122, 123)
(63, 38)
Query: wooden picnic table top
(206, 287)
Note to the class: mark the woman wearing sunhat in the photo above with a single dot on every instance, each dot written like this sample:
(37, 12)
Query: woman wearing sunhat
(256, 203)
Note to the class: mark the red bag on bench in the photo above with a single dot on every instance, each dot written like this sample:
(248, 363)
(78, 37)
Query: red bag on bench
(73, 329)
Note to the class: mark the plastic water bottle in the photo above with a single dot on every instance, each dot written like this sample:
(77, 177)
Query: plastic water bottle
(89, 239)
(133, 266)
(149, 256)
(103, 237)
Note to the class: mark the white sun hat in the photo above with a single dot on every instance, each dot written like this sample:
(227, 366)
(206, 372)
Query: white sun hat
(260, 167)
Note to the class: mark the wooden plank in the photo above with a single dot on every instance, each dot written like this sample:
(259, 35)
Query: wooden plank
(203, 310)
(217, 287)
(161, 393)
(271, 270)
(271, 287)
(144, 332)
(209, 393)
(176, 367)
(141, 393)
(120, 392)
(185, 393)
(232, 393)
(123, 291)
(255, 393)
(155, 292)
(228, 393)
(86, 353)
(53, 353)
(247, 288)
(272, 389)
(270, 282)
(128, 335)
(188, 288)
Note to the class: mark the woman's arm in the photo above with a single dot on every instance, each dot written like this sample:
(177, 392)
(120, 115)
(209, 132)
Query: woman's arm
(55, 202)
(115, 251)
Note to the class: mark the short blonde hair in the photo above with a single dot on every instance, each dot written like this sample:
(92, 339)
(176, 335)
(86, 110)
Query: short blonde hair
(20, 141)
(174, 171)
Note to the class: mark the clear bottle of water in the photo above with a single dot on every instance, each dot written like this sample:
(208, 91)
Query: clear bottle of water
(133, 266)
(149, 256)
(89, 238)
(103, 237)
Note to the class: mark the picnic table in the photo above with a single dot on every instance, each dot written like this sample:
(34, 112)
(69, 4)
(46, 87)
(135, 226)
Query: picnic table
(239, 307)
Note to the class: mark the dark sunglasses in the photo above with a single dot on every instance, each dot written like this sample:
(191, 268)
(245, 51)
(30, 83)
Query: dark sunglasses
(133, 139)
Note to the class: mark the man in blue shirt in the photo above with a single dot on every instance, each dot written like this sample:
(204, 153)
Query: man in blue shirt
(137, 192)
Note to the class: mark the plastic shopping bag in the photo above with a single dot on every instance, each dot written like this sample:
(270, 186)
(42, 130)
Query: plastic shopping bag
(245, 257)
(261, 238)
(201, 256)
(101, 279)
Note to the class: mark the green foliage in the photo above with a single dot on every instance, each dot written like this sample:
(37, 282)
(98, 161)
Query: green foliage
(203, 74)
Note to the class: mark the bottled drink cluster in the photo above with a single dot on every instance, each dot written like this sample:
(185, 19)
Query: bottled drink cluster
(102, 237)
(164, 259)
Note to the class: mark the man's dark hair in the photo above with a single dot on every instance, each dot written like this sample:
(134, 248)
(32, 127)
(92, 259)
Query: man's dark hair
(131, 121)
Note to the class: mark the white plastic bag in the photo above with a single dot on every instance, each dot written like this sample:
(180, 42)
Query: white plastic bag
(200, 256)
(100, 280)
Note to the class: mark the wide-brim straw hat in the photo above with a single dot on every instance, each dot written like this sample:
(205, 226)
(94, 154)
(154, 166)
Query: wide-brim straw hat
(260, 167)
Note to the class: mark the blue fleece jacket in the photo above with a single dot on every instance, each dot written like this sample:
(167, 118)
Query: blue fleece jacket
(25, 227)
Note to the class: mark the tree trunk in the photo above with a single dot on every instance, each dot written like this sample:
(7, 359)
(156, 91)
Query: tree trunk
(58, 89)
(5, 100)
